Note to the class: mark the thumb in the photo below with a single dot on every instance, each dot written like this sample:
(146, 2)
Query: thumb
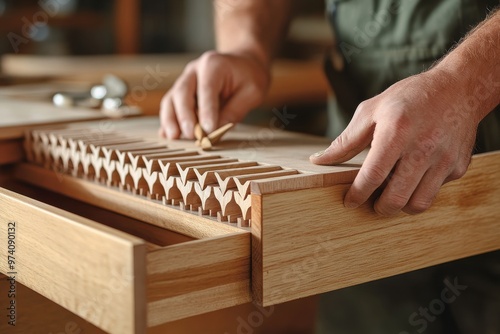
(354, 139)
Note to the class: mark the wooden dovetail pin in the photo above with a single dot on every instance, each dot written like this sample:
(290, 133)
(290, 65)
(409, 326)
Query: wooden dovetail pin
(199, 134)
(208, 141)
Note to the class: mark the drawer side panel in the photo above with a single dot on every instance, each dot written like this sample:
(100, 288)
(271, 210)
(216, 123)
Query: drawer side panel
(92, 270)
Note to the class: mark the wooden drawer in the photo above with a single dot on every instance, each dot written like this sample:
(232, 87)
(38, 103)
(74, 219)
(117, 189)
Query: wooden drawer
(301, 241)
(305, 242)
(103, 270)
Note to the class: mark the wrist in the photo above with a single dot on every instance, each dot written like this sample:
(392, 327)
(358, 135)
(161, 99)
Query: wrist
(252, 52)
(258, 62)
(473, 95)
(474, 70)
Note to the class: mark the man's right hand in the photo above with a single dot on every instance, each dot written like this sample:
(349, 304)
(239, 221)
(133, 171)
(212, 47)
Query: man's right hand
(213, 90)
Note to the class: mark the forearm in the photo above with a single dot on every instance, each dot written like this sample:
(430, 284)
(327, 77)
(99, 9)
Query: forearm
(474, 68)
(251, 27)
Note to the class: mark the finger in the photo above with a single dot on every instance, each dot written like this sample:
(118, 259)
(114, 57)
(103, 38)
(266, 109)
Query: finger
(402, 184)
(426, 191)
(432, 182)
(168, 119)
(184, 103)
(460, 168)
(238, 105)
(354, 139)
(161, 133)
(209, 89)
(381, 159)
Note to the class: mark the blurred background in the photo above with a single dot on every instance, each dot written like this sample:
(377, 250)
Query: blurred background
(41, 38)
(91, 27)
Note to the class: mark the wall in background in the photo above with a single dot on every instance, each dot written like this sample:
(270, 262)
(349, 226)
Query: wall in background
(82, 27)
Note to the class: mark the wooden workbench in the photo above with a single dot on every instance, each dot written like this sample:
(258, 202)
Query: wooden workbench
(294, 82)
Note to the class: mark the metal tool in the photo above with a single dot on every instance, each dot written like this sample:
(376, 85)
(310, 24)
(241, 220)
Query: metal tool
(109, 96)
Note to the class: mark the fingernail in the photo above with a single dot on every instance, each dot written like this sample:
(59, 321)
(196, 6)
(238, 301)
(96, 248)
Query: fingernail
(318, 154)
(208, 126)
(350, 205)
(187, 128)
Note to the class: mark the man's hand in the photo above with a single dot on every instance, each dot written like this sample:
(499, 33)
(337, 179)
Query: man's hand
(213, 90)
(421, 136)
(221, 87)
(422, 129)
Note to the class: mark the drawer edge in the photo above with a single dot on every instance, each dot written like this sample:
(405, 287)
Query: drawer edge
(92, 270)
(143, 209)
(198, 277)
(202, 301)
(306, 242)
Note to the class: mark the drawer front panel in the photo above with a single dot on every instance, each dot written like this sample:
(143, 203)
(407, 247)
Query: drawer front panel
(309, 243)
(92, 270)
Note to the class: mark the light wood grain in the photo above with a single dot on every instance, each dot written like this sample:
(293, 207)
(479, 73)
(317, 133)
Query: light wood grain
(152, 234)
(198, 277)
(119, 158)
(37, 314)
(131, 67)
(305, 242)
(246, 143)
(149, 211)
(93, 271)
(179, 269)
(17, 115)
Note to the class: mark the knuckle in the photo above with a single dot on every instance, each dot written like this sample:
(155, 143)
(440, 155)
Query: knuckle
(165, 103)
(428, 146)
(416, 159)
(402, 125)
(253, 88)
(191, 66)
(210, 54)
(416, 206)
(181, 85)
(456, 167)
(210, 58)
(394, 136)
(183, 115)
(459, 171)
(396, 202)
(254, 92)
(390, 205)
(373, 175)
(363, 107)
(447, 162)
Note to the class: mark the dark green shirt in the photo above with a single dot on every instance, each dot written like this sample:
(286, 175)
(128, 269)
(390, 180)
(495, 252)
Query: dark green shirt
(384, 41)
